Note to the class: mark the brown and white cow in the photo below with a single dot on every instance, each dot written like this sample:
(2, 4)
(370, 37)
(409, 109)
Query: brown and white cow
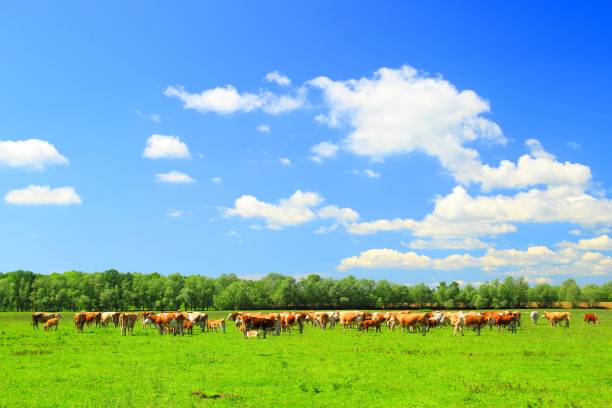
(42, 317)
(414, 321)
(172, 321)
(198, 318)
(349, 319)
(216, 325)
(127, 322)
(555, 318)
(264, 322)
(108, 317)
(51, 324)
(462, 320)
(591, 318)
(507, 321)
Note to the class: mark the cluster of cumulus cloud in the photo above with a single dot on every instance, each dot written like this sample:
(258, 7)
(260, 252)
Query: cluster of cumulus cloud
(402, 111)
(394, 112)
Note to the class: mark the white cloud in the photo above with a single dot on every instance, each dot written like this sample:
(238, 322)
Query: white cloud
(166, 147)
(178, 213)
(278, 78)
(340, 216)
(401, 111)
(31, 153)
(536, 260)
(371, 173)
(227, 100)
(459, 215)
(263, 128)
(285, 161)
(538, 167)
(291, 211)
(574, 145)
(324, 150)
(467, 244)
(43, 195)
(600, 243)
(217, 180)
(153, 117)
(175, 177)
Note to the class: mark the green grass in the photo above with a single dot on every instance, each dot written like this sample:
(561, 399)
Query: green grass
(538, 367)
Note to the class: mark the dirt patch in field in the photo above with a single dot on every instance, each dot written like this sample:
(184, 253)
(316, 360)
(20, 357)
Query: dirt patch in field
(203, 395)
(30, 352)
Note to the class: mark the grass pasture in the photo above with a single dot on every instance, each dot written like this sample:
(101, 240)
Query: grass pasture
(537, 367)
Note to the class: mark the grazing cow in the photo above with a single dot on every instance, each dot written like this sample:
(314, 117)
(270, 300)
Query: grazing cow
(555, 318)
(215, 325)
(334, 317)
(414, 321)
(591, 318)
(508, 321)
(473, 320)
(265, 322)
(143, 317)
(323, 319)
(107, 317)
(349, 319)
(534, 317)
(391, 320)
(127, 322)
(187, 325)
(51, 323)
(79, 321)
(458, 323)
(365, 325)
(173, 321)
(198, 318)
(93, 317)
(236, 317)
(41, 317)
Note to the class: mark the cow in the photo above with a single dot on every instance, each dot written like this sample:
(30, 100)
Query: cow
(79, 321)
(365, 325)
(534, 315)
(41, 317)
(236, 317)
(556, 317)
(187, 325)
(215, 325)
(391, 321)
(414, 321)
(473, 320)
(143, 317)
(51, 324)
(323, 319)
(107, 317)
(591, 318)
(349, 319)
(198, 318)
(264, 322)
(172, 320)
(93, 317)
(127, 322)
(507, 320)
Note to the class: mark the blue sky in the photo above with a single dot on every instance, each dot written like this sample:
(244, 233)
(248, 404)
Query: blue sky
(408, 141)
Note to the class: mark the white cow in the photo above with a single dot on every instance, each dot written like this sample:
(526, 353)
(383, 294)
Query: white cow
(198, 318)
(534, 317)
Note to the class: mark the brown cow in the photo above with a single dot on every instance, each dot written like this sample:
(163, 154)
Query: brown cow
(79, 321)
(508, 320)
(349, 319)
(42, 317)
(171, 321)
(591, 318)
(474, 320)
(414, 321)
(51, 323)
(127, 322)
(215, 325)
(365, 325)
(107, 317)
(556, 317)
(93, 317)
(265, 322)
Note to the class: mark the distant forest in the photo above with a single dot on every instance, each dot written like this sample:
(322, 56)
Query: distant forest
(113, 290)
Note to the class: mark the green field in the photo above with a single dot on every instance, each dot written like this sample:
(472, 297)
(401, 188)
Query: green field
(538, 366)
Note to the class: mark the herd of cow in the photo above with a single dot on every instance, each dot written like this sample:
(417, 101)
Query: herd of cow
(253, 324)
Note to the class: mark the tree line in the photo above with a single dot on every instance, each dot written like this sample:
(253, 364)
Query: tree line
(113, 290)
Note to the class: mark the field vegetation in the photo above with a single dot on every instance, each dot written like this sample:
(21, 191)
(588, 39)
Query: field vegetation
(539, 366)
